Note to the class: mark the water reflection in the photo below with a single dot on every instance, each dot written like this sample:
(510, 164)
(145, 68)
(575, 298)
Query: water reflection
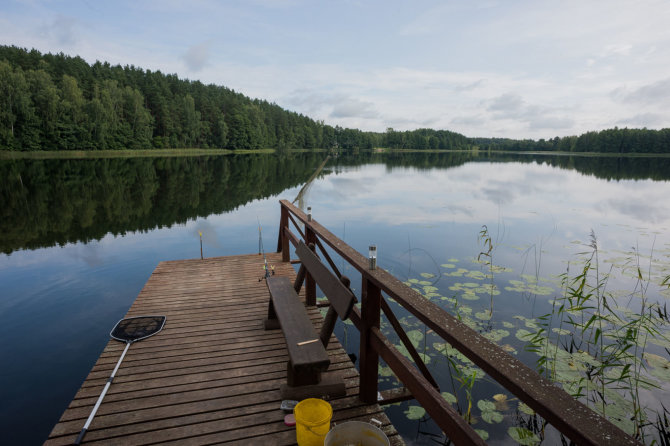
(82, 236)
(52, 202)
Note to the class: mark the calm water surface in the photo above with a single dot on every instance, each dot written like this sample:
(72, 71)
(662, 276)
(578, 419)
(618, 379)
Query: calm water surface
(81, 237)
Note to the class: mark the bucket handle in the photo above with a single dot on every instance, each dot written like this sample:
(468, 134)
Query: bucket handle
(316, 433)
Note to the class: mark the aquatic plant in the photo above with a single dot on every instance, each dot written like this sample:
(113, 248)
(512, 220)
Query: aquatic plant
(604, 346)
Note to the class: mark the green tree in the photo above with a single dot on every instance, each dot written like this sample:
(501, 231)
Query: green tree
(15, 106)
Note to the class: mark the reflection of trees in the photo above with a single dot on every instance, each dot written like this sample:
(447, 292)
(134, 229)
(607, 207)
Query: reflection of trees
(49, 202)
(608, 168)
(605, 167)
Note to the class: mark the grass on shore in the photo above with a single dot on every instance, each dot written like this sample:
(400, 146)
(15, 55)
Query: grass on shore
(82, 154)
(85, 154)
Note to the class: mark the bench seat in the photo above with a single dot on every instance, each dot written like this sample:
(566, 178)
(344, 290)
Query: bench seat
(304, 346)
(306, 370)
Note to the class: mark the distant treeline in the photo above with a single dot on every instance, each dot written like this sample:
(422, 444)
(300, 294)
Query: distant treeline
(58, 102)
(614, 140)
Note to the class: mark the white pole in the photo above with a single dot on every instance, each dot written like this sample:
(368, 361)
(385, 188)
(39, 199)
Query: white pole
(102, 395)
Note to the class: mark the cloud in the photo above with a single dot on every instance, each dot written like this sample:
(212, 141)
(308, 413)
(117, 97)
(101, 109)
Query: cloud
(410, 122)
(650, 94)
(511, 106)
(348, 107)
(472, 120)
(506, 104)
(62, 30)
(470, 86)
(197, 56)
(644, 120)
(541, 121)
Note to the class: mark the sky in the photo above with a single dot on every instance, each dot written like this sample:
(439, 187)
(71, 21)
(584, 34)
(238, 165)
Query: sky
(516, 69)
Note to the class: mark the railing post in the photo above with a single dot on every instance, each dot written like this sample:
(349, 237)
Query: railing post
(282, 243)
(310, 283)
(370, 313)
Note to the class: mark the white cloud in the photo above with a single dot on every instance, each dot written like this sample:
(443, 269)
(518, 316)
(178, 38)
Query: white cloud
(197, 56)
(504, 69)
(655, 93)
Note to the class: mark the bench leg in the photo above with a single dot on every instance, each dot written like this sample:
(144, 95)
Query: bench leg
(312, 384)
(301, 377)
(271, 323)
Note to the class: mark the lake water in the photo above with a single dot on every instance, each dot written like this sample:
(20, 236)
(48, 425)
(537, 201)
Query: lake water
(81, 237)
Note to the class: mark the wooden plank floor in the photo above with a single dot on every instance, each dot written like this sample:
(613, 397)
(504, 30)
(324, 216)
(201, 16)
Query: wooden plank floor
(212, 375)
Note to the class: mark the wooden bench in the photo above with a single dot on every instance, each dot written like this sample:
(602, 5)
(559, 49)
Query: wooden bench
(307, 369)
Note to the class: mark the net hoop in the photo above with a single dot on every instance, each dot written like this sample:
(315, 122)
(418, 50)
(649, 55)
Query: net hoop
(132, 329)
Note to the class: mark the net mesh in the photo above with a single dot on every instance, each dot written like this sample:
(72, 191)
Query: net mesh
(136, 328)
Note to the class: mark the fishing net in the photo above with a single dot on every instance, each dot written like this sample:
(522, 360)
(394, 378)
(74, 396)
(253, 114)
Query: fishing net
(135, 328)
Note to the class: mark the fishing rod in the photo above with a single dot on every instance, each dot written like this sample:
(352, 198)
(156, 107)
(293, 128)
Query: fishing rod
(268, 271)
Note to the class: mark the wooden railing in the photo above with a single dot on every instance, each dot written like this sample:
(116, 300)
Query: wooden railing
(572, 418)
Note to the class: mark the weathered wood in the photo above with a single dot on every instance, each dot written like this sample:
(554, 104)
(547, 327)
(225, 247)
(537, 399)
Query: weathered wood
(282, 243)
(213, 373)
(396, 395)
(407, 343)
(340, 297)
(328, 326)
(445, 416)
(371, 298)
(297, 328)
(310, 283)
(568, 415)
(300, 278)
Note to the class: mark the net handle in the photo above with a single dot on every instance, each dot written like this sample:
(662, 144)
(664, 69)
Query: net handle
(116, 368)
(102, 395)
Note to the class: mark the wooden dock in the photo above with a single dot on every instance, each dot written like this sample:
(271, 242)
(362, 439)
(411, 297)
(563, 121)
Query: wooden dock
(212, 375)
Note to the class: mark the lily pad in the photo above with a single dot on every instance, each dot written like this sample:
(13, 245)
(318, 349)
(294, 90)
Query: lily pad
(524, 335)
(492, 417)
(415, 412)
(500, 401)
(484, 315)
(385, 371)
(523, 407)
(523, 436)
(489, 412)
(477, 275)
(660, 367)
(416, 336)
(449, 397)
(496, 335)
(486, 405)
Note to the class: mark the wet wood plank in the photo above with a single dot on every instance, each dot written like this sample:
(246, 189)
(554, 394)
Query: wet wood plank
(212, 375)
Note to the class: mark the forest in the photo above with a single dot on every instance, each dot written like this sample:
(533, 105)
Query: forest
(60, 102)
(616, 140)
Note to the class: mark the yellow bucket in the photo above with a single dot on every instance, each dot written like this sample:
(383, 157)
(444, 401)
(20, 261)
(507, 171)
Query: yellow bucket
(312, 421)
